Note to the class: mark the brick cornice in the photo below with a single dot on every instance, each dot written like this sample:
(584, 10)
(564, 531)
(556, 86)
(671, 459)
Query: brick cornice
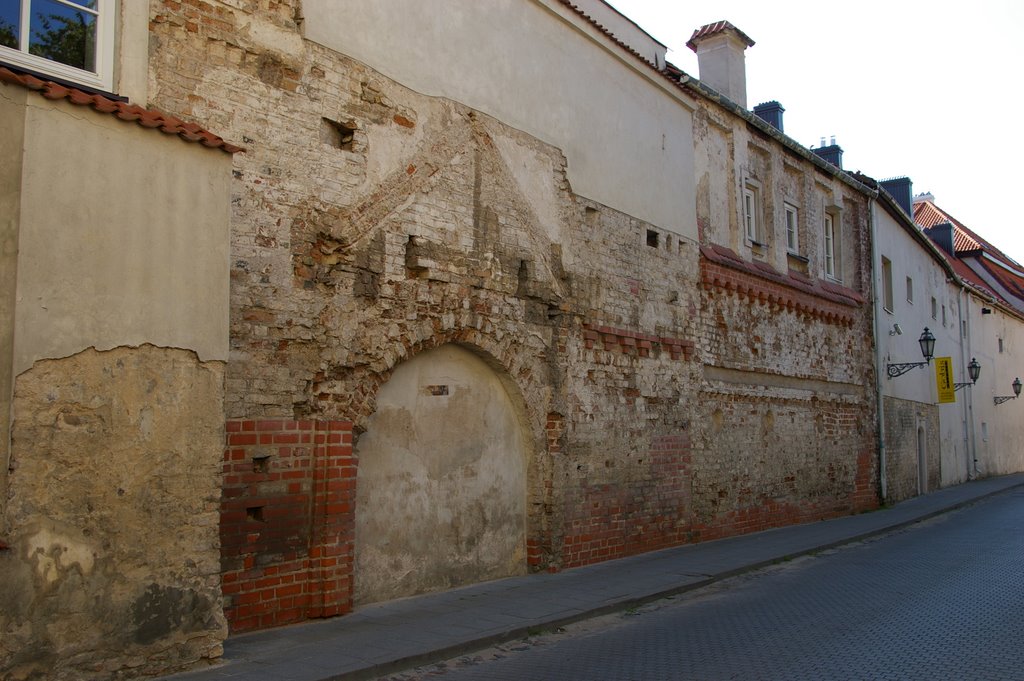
(635, 342)
(723, 269)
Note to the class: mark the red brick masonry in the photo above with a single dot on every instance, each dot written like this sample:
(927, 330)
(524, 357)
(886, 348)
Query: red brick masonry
(287, 521)
(722, 268)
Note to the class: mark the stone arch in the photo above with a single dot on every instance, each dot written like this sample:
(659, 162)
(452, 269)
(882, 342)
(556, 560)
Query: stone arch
(513, 358)
(446, 459)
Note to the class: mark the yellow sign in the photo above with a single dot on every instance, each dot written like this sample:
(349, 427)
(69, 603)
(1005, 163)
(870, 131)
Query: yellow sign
(944, 380)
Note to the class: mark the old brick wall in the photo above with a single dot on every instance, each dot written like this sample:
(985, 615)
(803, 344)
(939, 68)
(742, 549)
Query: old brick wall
(787, 423)
(431, 225)
(286, 521)
(904, 420)
(371, 223)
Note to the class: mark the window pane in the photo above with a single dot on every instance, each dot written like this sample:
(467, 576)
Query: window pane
(63, 34)
(9, 15)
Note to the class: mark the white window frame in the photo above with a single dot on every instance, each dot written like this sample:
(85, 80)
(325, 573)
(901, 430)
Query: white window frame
(831, 245)
(101, 79)
(753, 221)
(792, 228)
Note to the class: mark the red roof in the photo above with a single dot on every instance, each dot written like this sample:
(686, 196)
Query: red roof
(713, 29)
(967, 244)
(147, 118)
(927, 214)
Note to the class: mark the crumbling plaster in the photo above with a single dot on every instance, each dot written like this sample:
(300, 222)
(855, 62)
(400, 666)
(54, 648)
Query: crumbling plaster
(111, 516)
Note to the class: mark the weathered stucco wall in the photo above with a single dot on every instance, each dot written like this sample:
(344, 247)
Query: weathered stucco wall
(997, 340)
(931, 302)
(111, 516)
(92, 275)
(12, 121)
(441, 498)
(115, 302)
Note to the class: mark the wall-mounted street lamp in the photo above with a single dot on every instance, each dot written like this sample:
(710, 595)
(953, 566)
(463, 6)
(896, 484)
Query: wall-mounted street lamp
(973, 370)
(927, 343)
(1016, 392)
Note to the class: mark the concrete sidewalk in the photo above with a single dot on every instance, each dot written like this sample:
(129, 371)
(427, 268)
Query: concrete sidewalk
(389, 637)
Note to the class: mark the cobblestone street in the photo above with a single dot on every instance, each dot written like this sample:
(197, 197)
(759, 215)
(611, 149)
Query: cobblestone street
(940, 600)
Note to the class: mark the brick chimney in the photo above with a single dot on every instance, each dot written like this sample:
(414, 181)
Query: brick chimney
(720, 60)
(770, 113)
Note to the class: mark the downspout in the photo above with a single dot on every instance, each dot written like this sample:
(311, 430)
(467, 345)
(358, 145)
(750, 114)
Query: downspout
(970, 445)
(879, 360)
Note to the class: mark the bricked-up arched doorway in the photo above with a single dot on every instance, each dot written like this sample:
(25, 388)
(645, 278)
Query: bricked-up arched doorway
(441, 483)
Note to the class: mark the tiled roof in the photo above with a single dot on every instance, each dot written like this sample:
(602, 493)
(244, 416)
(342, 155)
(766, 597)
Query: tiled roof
(713, 29)
(963, 242)
(927, 214)
(966, 243)
(147, 118)
(1011, 281)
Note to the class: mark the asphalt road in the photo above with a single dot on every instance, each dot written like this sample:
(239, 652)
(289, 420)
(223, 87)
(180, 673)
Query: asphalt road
(943, 599)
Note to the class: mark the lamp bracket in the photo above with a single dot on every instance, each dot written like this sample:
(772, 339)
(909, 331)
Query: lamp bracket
(900, 368)
(1004, 398)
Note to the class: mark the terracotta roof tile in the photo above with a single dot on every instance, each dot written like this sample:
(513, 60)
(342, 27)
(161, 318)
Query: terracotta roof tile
(1007, 274)
(927, 214)
(147, 118)
(963, 242)
(714, 29)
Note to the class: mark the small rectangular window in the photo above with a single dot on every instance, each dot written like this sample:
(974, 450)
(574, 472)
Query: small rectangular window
(833, 265)
(887, 284)
(935, 308)
(792, 231)
(751, 214)
(910, 290)
(1000, 345)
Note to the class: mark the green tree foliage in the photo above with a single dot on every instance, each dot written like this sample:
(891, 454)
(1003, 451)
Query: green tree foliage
(8, 34)
(66, 39)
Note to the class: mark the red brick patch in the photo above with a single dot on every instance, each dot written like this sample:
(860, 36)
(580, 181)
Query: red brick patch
(287, 521)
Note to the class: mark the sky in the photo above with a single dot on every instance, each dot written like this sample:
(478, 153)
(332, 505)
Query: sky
(928, 90)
